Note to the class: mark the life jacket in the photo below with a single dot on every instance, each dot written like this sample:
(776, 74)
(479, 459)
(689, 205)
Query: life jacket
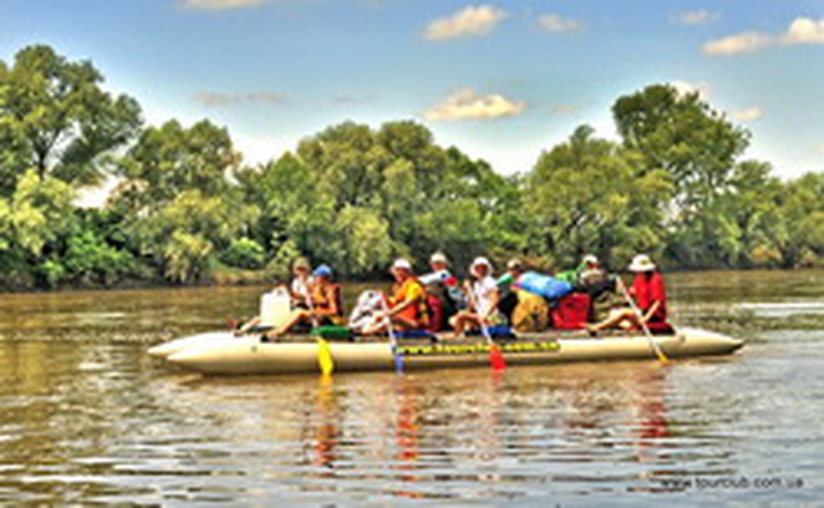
(321, 301)
(418, 313)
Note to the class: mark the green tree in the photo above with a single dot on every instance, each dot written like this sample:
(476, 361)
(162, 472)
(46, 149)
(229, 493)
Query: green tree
(172, 159)
(683, 135)
(799, 234)
(33, 222)
(178, 204)
(60, 120)
(244, 253)
(369, 247)
(587, 195)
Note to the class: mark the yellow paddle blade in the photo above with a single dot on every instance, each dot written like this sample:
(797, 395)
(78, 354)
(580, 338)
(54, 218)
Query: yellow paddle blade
(325, 361)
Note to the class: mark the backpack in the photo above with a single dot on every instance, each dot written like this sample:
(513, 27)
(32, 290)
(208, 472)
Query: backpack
(531, 314)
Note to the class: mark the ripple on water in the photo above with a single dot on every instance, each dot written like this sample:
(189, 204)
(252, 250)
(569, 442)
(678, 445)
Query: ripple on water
(86, 417)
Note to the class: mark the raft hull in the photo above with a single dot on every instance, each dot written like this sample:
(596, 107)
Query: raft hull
(229, 355)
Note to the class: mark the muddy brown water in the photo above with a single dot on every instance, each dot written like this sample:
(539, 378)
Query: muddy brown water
(86, 417)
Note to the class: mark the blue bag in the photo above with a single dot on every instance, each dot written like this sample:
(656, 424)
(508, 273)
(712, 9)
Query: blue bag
(543, 285)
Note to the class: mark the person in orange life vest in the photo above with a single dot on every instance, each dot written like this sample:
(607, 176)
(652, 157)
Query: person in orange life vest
(324, 304)
(406, 306)
(649, 293)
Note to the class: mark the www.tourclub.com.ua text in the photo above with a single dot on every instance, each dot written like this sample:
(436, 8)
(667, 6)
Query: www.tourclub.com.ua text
(733, 483)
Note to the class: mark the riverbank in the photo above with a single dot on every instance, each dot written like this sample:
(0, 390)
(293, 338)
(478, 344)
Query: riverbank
(229, 277)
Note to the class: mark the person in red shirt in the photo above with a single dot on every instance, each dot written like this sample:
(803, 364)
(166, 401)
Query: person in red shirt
(649, 293)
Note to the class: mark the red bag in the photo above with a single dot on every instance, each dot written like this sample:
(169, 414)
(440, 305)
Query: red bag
(572, 312)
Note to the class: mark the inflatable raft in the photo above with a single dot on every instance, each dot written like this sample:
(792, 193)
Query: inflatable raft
(222, 353)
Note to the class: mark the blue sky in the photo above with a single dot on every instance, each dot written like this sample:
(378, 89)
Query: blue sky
(501, 80)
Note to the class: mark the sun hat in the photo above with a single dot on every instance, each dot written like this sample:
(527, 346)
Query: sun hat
(402, 264)
(302, 262)
(323, 271)
(515, 264)
(439, 257)
(480, 261)
(590, 259)
(641, 263)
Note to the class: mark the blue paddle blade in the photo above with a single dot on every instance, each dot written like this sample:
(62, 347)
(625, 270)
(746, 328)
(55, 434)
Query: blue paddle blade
(398, 360)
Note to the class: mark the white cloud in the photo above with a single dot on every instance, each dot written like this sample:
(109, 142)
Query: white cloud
(471, 21)
(691, 18)
(217, 99)
(742, 43)
(555, 23)
(800, 31)
(220, 5)
(748, 115)
(821, 148)
(805, 31)
(686, 87)
(466, 104)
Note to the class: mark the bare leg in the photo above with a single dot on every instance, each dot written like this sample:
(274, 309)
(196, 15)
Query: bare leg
(463, 321)
(297, 316)
(614, 320)
(374, 327)
(398, 323)
(249, 325)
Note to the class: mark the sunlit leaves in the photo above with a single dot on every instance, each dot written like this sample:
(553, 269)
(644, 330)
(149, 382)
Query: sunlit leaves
(61, 120)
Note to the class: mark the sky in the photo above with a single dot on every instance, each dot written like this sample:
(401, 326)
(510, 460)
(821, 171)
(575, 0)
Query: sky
(501, 80)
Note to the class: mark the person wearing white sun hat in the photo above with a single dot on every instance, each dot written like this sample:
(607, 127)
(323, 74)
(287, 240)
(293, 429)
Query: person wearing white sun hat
(407, 305)
(649, 292)
(445, 295)
(484, 297)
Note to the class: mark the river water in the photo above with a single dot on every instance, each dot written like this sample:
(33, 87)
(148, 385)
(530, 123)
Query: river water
(86, 417)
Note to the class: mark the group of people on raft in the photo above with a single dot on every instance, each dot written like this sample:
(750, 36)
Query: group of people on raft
(437, 302)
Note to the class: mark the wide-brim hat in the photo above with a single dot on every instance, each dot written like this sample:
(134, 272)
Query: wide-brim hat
(439, 257)
(480, 261)
(642, 263)
(515, 264)
(590, 259)
(402, 264)
(302, 263)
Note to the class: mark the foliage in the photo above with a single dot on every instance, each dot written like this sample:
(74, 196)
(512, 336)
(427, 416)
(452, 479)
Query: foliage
(244, 253)
(588, 196)
(58, 119)
(36, 215)
(90, 260)
(186, 209)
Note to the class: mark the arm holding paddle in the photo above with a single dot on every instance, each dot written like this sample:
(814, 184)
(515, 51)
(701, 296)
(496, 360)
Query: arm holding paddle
(642, 321)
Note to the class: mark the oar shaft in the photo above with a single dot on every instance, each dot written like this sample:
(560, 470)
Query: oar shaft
(393, 339)
(655, 347)
(496, 357)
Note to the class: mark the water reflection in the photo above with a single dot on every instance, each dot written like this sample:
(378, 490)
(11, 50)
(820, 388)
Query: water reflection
(86, 417)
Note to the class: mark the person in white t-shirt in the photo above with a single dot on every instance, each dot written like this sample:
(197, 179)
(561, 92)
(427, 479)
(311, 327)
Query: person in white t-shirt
(484, 297)
(299, 288)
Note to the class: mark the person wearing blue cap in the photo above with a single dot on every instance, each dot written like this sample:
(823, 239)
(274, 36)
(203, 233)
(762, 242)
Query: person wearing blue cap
(324, 305)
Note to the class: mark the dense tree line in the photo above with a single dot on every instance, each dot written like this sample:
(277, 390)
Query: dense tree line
(186, 209)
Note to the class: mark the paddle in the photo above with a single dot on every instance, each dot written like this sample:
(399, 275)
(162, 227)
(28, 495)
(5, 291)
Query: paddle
(393, 340)
(655, 347)
(325, 361)
(496, 356)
